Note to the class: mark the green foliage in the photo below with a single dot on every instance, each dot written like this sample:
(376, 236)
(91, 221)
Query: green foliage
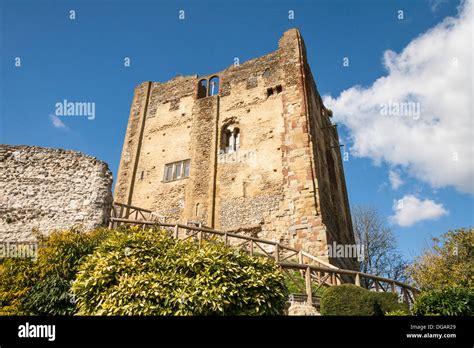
(397, 313)
(446, 301)
(449, 263)
(299, 279)
(59, 256)
(16, 278)
(349, 299)
(42, 287)
(346, 299)
(150, 273)
(387, 302)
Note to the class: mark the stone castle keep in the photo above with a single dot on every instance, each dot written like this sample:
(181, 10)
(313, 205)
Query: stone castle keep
(250, 149)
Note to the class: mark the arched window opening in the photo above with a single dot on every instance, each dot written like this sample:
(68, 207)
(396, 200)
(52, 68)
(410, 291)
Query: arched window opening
(202, 89)
(214, 86)
(231, 139)
(197, 210)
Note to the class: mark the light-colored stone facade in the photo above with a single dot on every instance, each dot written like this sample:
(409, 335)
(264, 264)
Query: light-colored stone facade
(50, 189)
(285, 182)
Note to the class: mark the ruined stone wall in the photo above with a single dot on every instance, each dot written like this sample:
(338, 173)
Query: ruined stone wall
(48, 189)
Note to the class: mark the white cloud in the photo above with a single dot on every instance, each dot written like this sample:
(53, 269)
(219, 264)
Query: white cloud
(410, 210)
(431, 138)
(57, 123)
(395, 179)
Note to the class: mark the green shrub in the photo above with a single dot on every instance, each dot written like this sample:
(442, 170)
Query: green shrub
(17, 275)
(349, 299)
(397, 313)
(446, 301)
(42, 287)
(150, 273)
(388, 302)
(59, 256)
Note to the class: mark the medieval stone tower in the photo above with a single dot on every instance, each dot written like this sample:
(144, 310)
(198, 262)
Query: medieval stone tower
(250, 149)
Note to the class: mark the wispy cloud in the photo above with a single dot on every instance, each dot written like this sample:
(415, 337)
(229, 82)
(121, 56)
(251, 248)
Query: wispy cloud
(410, 210)
(57, 123)
(435, 3)
(395, 179)
(433, 140)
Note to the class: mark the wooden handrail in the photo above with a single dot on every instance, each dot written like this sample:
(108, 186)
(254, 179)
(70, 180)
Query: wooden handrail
(204, 229)
(132, 207)
(290, 265)
(326, 274)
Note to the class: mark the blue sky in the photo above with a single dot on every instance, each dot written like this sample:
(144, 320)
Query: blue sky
(83, 60)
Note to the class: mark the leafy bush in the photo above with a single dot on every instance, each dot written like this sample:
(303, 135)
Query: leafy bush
(349, 299)
(446, 301)
(16, 278)
(397, 313)
(59, 256)
(388, 302)
(42, 287)
(150, 273)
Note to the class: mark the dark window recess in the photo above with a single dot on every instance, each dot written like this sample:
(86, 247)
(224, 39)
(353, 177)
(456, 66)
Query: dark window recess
(176, 171)
(279, 89)
(269, 91)
(142, 175)
(202, 89)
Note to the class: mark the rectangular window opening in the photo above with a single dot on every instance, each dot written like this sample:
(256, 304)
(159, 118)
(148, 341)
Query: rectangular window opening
(176, 170)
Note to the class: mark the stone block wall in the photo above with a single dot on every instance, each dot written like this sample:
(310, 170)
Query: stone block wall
(284, 183)
(51, 189)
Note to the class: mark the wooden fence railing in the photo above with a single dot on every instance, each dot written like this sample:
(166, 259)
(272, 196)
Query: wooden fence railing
(315, 272)
(130, 212)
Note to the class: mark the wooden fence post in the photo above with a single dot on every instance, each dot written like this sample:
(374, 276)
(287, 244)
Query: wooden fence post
(176, 231)
(300, 260)
(309, 291)
(357, 280)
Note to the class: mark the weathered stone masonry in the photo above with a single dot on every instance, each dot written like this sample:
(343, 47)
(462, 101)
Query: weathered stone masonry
(50, 189)
(285, 181)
